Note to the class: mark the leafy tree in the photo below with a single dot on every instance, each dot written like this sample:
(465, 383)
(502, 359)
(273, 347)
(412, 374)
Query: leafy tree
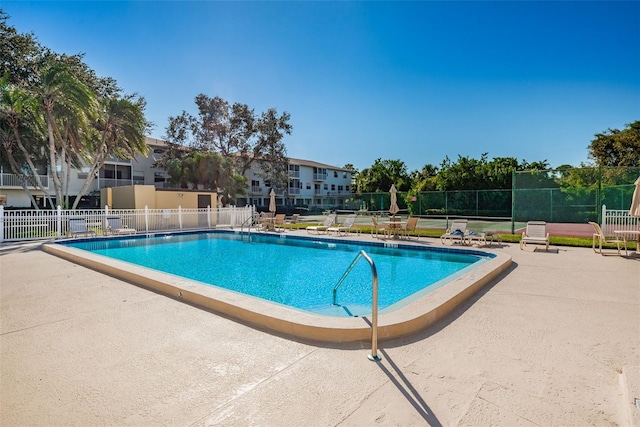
(19, 124)
(617, 147)
(20, 54)
(350, 168)
(204, 169)
(424, 180)
(238, 134)
(55, 111)
(381, 175)
(118, 131)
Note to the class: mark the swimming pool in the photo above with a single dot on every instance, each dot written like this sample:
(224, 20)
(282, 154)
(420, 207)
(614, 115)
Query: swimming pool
(297, 272)
(284, 266)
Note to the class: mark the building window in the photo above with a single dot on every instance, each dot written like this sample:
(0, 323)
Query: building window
(340, 188)
(333, 187)
(308, 186)
(326, 186)
(335, 174)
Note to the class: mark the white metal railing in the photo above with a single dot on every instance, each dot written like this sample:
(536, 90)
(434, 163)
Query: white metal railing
(374, 300)
(618, 220)
(13, 180)
(16, 225)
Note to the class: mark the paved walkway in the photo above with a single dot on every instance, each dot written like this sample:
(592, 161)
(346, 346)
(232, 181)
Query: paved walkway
(555, 341)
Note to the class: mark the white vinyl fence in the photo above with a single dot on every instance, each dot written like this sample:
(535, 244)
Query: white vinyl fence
(618, 220)
(18, 225)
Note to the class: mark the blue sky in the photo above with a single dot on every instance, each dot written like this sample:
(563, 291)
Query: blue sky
(414, 81)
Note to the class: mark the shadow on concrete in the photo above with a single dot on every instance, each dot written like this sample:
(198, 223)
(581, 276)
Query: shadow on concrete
(20, 247)
(408, 390)
(455, 313)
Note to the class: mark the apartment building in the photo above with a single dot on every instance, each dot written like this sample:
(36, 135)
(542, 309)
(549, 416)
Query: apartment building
(312, 185)
(115, 173)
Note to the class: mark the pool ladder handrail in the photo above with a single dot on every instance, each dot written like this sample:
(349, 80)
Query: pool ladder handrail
(248, 227)
(373, 356)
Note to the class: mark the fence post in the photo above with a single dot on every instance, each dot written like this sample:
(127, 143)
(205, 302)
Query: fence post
(180, 216)
(59, 221)
(604, 215)
(1, 223)
(209, 216)
(513, 202)
(146, 218)
(599, 194)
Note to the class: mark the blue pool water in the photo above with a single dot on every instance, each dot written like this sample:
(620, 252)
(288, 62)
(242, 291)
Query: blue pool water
(300, 272)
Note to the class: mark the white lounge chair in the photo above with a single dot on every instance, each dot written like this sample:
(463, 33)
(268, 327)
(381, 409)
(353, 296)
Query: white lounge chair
(115, 226)
(535, 233)
(457, 231)
(78, 227)
(344, 228)
(324, 226)
(602, 239)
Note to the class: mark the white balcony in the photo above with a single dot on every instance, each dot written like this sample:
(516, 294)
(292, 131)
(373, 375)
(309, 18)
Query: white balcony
(10, 180)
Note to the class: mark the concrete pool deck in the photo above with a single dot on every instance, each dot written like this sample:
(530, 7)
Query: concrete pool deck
(553, 341)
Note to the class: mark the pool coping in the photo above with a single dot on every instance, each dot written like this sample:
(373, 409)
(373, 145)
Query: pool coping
(413, 317)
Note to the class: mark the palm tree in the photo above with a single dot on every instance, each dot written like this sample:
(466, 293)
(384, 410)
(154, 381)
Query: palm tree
(20, 128)
(67, 106)
(118, 131)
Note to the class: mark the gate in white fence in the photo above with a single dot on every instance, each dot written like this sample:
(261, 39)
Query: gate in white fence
(18, 225)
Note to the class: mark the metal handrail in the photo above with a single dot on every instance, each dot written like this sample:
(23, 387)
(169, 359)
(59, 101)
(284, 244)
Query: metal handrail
(248, 228)
(374, 300)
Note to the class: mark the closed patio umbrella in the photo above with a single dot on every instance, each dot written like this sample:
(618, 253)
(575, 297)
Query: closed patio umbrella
(272, 201)
(394, 209)
(634, 210)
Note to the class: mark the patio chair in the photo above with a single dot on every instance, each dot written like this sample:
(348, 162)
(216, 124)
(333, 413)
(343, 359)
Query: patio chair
(535, 233)
(78, 227)
(115, 226)
(412, 225)
(278, 222)
(344, 228)
(377, 227)
(324, 226)
(602, 239)
(293, 220)
(265, 221)
(456, 232)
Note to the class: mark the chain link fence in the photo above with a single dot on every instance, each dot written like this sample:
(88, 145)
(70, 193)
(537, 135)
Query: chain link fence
(567, 195)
